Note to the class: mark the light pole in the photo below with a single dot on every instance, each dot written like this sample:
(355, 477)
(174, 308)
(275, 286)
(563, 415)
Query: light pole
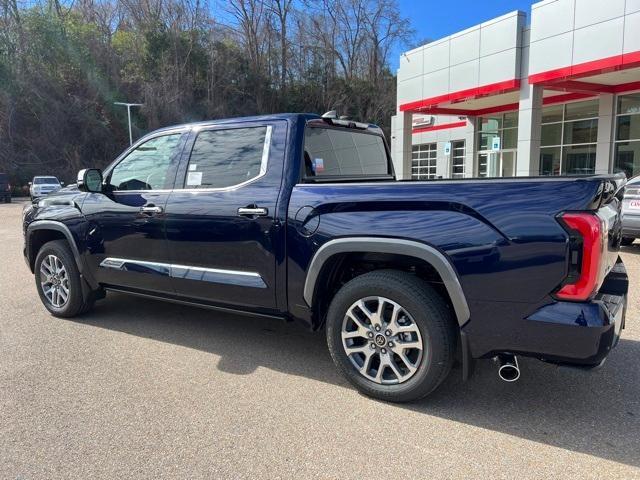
(129, 105)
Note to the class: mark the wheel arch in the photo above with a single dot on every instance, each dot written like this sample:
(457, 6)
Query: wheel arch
(395, 246)
(42, 231)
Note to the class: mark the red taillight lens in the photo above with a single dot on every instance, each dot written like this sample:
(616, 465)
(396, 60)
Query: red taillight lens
(589, 228)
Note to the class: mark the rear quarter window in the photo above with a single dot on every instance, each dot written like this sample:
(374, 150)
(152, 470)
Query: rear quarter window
(332, 152)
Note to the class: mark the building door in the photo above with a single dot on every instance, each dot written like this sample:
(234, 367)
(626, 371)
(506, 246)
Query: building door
(497, 164)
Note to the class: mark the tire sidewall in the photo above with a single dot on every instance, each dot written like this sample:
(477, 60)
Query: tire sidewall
(428, 375)
(60, 249)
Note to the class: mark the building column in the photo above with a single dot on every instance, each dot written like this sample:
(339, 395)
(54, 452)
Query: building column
(529, 130)
(470, 148)
(606, 127)
(401, 142)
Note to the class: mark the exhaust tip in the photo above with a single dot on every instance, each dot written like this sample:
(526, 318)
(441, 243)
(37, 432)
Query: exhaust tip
(509, 373)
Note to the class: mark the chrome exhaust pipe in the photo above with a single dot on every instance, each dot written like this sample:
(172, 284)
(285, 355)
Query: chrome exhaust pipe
(508, 371)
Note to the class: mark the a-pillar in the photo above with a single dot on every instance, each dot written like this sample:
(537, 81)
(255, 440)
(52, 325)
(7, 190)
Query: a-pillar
(529, 129)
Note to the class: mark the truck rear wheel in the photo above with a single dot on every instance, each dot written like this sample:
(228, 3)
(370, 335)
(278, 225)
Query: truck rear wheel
(392, 335)
(58, 281)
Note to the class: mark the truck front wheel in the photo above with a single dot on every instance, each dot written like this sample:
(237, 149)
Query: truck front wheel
(392, 335)
(58, 281)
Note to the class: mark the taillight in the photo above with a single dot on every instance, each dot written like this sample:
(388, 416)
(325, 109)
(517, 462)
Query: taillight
(586, 232)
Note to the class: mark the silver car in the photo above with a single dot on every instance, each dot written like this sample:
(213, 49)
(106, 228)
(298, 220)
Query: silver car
(41, 186)
(631, 211)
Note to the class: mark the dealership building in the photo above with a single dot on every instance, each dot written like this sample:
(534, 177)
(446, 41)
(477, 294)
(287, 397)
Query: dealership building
(556, 95)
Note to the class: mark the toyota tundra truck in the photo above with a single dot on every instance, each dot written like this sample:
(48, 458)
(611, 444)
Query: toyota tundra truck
(300, 217)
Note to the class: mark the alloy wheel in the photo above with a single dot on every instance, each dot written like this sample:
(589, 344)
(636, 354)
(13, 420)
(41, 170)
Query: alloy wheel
(382, 340)
(54, 281)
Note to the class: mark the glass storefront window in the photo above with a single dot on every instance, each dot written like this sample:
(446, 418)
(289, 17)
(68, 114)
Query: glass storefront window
(550, 161)
(627, 146)
(579, 159)
(628, 127)
(510, 120)
(579, 110)
(629, 104)
(488, 162)
(627, 158)
(510, 138)
(490, 124)
(568, 138)
(485, 139)
(552, 113)
(582, 131)
(551, 134)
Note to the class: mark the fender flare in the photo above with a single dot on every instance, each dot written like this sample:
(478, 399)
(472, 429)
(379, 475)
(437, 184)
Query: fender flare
(390, 245)
(59, 227)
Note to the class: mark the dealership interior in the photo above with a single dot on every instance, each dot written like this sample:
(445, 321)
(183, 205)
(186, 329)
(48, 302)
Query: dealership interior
(556, 95)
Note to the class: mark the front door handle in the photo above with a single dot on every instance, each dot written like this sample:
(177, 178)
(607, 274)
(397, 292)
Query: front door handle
(151, 210)
(252, 211)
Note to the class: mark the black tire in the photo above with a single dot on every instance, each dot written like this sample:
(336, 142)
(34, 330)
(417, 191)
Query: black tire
(76, 303)
(429, 312)
(626, 241)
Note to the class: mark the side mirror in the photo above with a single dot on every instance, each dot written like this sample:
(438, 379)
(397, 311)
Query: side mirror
(30, 183)
(90, 180)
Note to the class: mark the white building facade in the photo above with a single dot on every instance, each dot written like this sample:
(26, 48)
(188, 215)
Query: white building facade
(560, 96)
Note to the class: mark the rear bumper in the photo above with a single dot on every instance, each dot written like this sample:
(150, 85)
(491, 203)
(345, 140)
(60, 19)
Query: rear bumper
(583, 333)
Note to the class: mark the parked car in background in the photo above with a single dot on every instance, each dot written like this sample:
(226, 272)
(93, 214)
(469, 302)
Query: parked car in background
(41, 186)
(631, 211)
(5, 188)
(299, 217)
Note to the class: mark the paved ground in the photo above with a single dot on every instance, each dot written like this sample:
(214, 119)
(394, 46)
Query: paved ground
(139, 388)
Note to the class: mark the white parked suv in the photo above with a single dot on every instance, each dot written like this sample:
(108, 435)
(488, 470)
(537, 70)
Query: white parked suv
(41, 186)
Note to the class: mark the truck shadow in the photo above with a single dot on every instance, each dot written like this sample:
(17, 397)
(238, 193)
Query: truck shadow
(597, 412)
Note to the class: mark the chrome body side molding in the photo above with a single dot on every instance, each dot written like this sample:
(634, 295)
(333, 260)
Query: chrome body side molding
(390, 245)
(212, 275)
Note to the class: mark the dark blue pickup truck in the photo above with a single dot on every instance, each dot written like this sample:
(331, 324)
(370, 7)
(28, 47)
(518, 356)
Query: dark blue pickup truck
(299, 217)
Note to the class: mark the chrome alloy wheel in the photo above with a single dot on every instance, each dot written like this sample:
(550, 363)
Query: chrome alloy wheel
(54, 281)
(381, 340)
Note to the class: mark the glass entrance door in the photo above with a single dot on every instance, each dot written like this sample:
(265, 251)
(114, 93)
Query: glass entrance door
(497, 164)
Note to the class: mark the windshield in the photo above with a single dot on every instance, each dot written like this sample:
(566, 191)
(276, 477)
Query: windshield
(46, 181)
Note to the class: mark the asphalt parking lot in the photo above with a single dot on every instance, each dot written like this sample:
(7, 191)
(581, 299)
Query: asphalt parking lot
(143, 389)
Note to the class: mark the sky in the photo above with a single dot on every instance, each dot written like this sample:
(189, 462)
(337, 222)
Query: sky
(434, 19)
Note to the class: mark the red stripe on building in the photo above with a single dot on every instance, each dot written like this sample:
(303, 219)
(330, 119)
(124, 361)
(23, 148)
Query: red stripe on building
(443, 126)
(586, 69)
(509, 107)
(461, 95)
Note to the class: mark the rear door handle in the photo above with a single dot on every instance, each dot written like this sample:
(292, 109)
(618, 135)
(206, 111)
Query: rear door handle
(252, 211)
(151, 210)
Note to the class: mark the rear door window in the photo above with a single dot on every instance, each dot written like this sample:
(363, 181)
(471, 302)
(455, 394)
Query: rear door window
(332, 152)
(223, 158)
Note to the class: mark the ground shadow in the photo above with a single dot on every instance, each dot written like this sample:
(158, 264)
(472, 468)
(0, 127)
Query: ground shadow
(597, 412)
